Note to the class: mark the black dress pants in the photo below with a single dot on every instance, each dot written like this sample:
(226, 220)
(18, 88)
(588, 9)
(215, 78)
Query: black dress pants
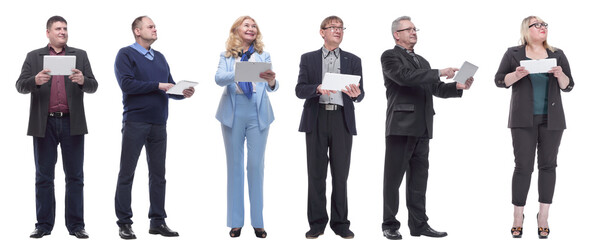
(405, 154)
(329, 144)
(525, 141)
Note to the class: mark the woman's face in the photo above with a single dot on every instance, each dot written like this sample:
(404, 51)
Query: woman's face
(248, 31)
(537, 32)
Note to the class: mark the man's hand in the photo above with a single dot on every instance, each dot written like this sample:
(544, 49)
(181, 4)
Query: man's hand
(465, 86)
(187, 93)
(324, 91)
(42, 77)
(165, 86)
(77, 77)
(448, 72)
(352, 90)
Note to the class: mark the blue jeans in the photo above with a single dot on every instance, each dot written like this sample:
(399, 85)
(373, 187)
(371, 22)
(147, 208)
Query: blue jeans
(135, 136)
(72, 151)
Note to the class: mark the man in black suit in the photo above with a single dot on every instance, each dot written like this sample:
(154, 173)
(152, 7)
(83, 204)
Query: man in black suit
(329, 123)
(57, 118)
(410, 86)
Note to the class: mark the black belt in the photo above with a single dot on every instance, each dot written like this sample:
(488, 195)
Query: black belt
(59, 114)
(330, 107)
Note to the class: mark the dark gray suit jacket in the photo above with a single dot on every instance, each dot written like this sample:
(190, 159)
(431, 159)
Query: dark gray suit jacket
(310, 77)
(39, 109)
(521, 103)
(409, 93)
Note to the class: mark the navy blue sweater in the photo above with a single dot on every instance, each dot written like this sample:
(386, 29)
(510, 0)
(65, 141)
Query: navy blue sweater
(139, 78)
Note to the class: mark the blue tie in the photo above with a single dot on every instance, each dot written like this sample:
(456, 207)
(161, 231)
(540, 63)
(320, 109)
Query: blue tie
(247, 86)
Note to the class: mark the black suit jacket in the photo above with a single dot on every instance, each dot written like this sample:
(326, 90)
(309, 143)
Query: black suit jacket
(310, 77)
(39, 109)
(409, 93)
(521, 103)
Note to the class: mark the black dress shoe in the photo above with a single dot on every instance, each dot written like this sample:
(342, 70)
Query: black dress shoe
(39, 233)
(429, 232)
(392, 234)
(125, 232)
(346, 234)
(164, 231)
(313, 234)
(80, 234)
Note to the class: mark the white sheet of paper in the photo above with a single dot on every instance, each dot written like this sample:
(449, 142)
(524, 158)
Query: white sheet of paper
(250, 71)
(59, 65)
(335, 81)
(467, 70)
(539, 66)
(180, 86)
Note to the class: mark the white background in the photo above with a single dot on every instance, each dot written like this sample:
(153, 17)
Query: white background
(471, 159)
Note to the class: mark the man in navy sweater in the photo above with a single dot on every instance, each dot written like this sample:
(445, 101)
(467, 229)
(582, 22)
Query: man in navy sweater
(144, 77)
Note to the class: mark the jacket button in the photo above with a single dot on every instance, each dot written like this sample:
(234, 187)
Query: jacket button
(552, 104)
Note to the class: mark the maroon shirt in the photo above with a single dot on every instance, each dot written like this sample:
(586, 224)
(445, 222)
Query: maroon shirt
(58, 101)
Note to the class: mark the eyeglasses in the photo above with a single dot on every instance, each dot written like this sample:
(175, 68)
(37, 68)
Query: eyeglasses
(408, 29)
(539, 25)
(335, 29)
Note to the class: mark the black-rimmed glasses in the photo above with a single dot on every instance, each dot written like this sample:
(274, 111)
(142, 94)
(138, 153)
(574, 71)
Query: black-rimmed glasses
(539, 25)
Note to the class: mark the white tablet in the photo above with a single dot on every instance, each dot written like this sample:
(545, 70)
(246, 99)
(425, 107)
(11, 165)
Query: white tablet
(59, 65)
(250, 71)
(466, 71)
(180, 86)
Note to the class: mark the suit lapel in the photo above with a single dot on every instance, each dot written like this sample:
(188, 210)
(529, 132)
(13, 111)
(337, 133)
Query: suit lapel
(520, 54)
(344, 63)
(317, 62)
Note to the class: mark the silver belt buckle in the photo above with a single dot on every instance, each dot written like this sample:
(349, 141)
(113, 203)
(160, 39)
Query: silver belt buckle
(56, 114)
(331, 107)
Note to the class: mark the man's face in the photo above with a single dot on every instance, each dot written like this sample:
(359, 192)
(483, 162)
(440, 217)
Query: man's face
(406, 34)
(332, 33)
(147, 31)
(58, 34)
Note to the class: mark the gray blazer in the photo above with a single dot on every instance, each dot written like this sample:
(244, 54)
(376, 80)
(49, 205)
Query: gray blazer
(39, 109)
(521, 102)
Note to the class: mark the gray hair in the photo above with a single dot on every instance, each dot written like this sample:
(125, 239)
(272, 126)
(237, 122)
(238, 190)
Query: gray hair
(395, 23)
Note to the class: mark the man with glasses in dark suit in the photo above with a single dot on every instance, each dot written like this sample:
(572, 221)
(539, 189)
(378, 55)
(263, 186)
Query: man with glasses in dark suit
(329, 124)
(410, 84)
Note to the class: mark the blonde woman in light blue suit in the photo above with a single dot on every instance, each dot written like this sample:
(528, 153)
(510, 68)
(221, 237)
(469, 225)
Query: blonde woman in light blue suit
(245, 113)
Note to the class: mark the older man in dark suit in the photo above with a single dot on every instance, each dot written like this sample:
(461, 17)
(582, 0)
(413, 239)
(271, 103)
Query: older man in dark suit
(57, 118)
(410, 84)
(329, 123)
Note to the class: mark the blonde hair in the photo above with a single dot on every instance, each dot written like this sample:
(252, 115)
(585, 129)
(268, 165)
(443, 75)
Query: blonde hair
(234, 42)
(524, 32)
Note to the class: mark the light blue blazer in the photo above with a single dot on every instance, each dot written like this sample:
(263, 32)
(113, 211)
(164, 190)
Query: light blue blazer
(225, 77)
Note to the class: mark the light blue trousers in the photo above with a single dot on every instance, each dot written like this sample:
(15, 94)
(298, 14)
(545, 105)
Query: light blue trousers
(245, 127)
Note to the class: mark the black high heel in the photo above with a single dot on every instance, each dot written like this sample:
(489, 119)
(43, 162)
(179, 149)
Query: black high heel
(261, 233)
(541, 230)
(235, 232)
(517, 229)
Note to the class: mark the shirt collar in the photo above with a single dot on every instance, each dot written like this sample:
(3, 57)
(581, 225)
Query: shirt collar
(51, 49)
(142, 50)
(326, 52)
(408, 51)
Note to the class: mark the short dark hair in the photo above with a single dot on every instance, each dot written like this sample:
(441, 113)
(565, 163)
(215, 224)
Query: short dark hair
(136, 24)
(329, 19)
(55, 18)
